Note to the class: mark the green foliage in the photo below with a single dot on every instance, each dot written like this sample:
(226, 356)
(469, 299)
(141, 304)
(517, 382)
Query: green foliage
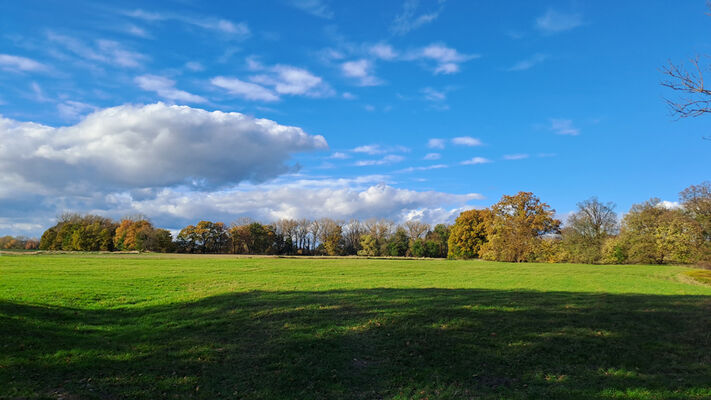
(369, 246)
(80, 233)
(398, 244)
(518, 225)
(653, 234)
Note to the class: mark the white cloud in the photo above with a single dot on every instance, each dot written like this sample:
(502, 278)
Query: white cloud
(436, 143)
(554, 21)
(447, 60)
(73, 110)
(194, 66)
(425, 168)
(383, 51)
(348, 96)
(148, 146)
(165, 88)
(362, 71)
(246, 90)
(334, 201)
(515, 156)
(316, 8)
(476, 160)
(373, 149)
(290, 80)
(13, 63)
(389, 159)
(563, 127)
(432, 156)
(528, 63)
(137, 31)
(104, 51)
(435, 95)
(339, 156)
(669, 205)
(409, 19)
(39, 93)
(466, 141)
(232, 29)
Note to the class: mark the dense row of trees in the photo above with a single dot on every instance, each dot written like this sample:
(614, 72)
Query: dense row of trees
(18, 243)
(76, 232)
(519, 228)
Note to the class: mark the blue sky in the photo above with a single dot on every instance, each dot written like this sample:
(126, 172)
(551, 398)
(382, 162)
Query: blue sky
(403, 109)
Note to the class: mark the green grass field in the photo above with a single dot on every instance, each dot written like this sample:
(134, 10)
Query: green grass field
(152, 327)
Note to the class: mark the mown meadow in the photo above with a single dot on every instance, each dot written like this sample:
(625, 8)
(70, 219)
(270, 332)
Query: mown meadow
(86, 326)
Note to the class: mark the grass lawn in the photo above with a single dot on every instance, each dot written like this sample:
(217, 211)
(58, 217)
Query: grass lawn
(152, 327)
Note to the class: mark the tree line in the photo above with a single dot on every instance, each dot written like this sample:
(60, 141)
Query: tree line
(518, 228)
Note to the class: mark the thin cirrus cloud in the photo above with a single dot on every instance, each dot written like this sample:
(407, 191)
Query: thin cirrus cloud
(466, 141)
(317, 8)
(274, 81)
(563, 127)
(224, 26)
(436, 143)
(409, 19)
(107, 52)
(447, 60)
(554, 21)
(389, 159)
(12, 63)
(373, 149)
(245, 90)
(476, 161)
(512, 157)
(151, 146)
(528, 63)
(166, 89)
(432, 156)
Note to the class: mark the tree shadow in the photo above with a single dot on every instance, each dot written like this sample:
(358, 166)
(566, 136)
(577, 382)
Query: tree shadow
(364, 344)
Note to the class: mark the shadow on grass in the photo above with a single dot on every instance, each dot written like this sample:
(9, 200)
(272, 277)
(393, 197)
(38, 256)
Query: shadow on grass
(364, 344)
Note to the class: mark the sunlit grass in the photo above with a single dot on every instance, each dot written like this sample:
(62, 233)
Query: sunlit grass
(149, 327)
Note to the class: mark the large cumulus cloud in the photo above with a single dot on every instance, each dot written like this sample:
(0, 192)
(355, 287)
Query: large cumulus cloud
(151, 146)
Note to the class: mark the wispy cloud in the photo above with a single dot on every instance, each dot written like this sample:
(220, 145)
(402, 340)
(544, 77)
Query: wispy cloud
(432, 156)
(409, 19)
(515, 156)
(476, 160)
(104, 51)
(373, 149)
(435, 143)
(317, 8)
(166, 89)
(339, 156)
(389, 159)
(563, 127)
(362, 71)
(73, 110)
(447, 59)
(383, 51)
(425, 168)
(528, 63)
(9, 62)
(466, 141)
(245, 90)
(224, 26)
(273, 82)
(555, 21)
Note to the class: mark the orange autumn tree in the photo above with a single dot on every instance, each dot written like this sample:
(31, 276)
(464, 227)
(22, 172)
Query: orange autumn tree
(518, 226)
(468, 234)
(133, 235)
